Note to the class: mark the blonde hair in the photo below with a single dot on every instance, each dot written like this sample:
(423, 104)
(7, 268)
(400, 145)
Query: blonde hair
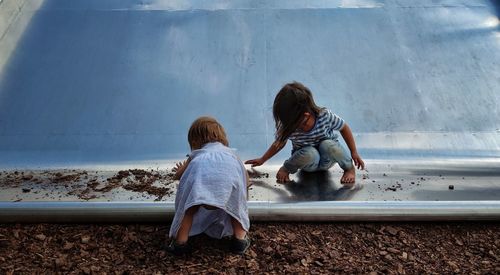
(206, 129)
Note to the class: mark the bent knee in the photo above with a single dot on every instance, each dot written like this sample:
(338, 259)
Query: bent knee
(308, 156)
(331, 146)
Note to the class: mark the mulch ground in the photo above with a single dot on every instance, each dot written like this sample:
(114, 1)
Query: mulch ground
(313, 248)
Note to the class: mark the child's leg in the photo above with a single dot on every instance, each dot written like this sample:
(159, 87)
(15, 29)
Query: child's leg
(238, 231)
(186, 223)
(331, 151)
(240, 242)
(306, 158)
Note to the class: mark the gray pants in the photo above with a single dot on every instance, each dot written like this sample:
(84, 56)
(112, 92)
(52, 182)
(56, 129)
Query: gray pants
(320, 158)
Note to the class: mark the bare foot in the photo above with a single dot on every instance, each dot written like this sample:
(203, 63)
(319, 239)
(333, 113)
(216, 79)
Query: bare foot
(283, 176)
(349, 176)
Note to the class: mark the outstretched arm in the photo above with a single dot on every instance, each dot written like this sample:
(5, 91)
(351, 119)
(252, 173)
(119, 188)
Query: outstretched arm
(273, 150)
(349, 140)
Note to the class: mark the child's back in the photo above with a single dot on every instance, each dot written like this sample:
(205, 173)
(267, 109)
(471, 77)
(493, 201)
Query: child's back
(212, 194)
(215, 177)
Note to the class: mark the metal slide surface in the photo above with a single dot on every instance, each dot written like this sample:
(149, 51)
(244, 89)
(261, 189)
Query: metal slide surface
(108, 85)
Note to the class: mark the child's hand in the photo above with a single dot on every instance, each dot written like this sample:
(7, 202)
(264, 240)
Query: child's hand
(179, 169)
(283, 175)
(179, 165)
(358, 162)
(255, 162)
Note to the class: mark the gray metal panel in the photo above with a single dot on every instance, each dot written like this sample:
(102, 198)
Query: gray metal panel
(85, 83)
(111, 81)
(387, 180)
(65, 212)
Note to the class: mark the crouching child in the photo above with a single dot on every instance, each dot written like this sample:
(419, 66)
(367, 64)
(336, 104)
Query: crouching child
(212, 194)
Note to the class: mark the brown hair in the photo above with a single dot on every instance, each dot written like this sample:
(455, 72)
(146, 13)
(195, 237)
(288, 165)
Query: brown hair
(206, 129)
(290, 104)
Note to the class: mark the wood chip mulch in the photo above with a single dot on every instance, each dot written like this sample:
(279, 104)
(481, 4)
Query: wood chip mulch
(284, 248)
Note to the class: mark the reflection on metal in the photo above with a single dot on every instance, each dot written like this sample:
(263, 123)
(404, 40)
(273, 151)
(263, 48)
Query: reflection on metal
(104, 82)
(88, 83)
(66, 212)
(85, 212)
(376, 211)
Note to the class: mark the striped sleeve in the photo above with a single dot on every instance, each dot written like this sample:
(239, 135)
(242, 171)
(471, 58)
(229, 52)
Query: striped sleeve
(336, 122)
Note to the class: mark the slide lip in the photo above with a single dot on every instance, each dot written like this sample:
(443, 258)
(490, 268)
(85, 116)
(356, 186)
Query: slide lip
(105, 212)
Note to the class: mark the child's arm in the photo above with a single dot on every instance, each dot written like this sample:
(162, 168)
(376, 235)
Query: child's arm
(179, 168)
(273, 150)
(349, 140)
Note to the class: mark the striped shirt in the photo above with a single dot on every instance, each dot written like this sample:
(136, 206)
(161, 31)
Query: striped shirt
(326, 127)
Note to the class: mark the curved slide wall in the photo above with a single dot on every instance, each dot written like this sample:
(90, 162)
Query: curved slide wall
(92, 83)
(85, 82)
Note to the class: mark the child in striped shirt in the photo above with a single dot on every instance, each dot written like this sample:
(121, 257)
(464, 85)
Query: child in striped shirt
(314, 134)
